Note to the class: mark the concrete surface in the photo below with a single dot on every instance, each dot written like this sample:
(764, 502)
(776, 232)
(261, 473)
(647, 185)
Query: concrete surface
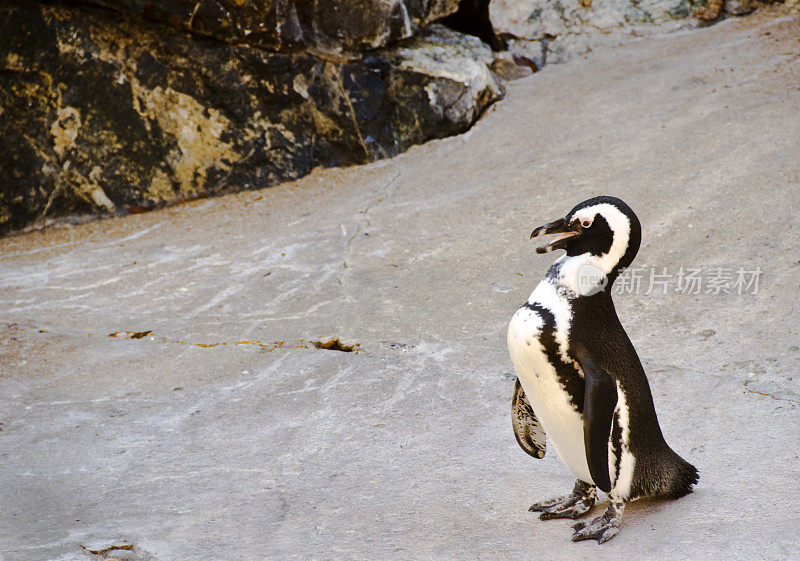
(224, 433)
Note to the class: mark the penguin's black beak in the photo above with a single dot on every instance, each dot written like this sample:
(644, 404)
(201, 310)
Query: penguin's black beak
(560, 226)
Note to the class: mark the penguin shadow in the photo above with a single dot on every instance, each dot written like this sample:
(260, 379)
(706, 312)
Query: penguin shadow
(639, 513)
(646, 506)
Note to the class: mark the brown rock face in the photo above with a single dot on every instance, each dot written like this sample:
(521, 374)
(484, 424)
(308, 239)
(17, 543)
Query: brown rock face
(335, 26)
(101, 113)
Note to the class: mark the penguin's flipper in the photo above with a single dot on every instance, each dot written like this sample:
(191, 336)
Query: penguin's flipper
(599, 401)
(529, 432)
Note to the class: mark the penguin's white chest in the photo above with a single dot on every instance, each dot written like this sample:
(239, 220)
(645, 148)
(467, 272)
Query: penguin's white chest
(537, 342)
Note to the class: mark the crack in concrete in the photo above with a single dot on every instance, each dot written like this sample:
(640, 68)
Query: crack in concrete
(327, 343)
(269, 346)
(331, 344)
(105, 550)
(129, 334)
(365, 220)
(766, 394)
(116, 552)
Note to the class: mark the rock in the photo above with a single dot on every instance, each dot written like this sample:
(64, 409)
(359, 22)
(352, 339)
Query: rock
(708, 12)
(562, 27)
(101, 115)
(712, 9)
(533, 19)
(336, 26)
(509, 69)
(739, 7)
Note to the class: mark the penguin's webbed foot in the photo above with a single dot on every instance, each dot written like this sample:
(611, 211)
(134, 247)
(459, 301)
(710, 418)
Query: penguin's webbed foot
(602, 528)
(574, 505)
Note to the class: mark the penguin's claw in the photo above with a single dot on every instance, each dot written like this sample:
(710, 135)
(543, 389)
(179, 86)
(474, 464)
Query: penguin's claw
(543, 505)
(602, 528)
(566, 507)
(574, 505)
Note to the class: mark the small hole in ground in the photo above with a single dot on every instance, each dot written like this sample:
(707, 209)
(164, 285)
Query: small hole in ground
(335, 345)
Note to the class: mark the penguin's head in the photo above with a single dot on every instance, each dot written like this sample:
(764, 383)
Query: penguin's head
(602, 231)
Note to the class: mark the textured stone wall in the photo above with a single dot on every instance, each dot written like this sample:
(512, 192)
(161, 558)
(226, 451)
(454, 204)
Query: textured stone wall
(556, 30)
(106, 112)
(347, 26)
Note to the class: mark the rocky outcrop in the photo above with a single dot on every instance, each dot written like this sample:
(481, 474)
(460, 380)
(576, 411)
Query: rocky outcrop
(343, 26)
(102, 113)
(556, 30)
(713, 9)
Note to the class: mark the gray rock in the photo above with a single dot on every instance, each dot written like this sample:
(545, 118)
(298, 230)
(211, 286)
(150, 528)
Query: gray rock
(566, 28)
(102, 116)
(563, 29)
(739, 7)
(293, 25)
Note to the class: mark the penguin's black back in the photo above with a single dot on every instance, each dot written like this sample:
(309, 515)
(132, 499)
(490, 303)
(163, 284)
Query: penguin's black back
(658, 471)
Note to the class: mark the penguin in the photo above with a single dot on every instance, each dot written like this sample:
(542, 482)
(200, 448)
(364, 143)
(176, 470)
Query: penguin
(579, 379)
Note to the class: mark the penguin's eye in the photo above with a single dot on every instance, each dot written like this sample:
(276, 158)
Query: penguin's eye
(586, 223)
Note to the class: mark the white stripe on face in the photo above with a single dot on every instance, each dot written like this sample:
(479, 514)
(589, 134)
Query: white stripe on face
(620, 228)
